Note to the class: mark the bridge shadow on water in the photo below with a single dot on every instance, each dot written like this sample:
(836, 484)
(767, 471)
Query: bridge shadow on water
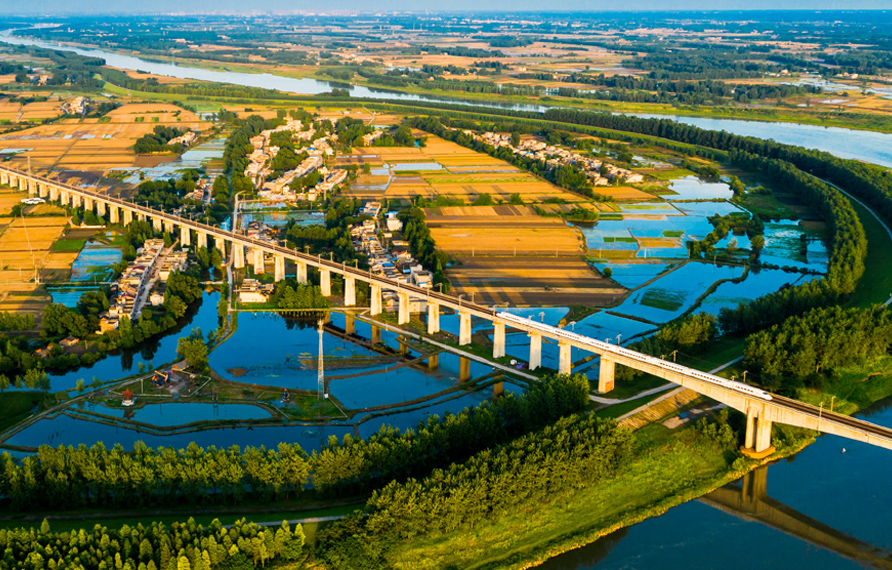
(748, 500)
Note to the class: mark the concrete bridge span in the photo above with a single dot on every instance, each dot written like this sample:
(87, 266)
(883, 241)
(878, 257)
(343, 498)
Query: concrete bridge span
(762, 409)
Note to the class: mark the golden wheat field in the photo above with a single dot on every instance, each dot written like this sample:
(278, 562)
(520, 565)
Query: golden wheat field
(88, 144)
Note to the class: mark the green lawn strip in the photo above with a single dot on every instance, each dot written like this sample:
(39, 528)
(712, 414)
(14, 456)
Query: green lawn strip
(617, 410)
(62, 521)
(16, 406)
(876, 283)
(669, 468)
(69, 245)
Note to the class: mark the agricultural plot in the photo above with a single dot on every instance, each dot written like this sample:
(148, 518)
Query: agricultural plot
(501, 231)
(94, 145)
(531, 281)
(443, 168)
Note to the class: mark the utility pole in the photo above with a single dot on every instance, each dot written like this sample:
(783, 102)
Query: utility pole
(321, 373)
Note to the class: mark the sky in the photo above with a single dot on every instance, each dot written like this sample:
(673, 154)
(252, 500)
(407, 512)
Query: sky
(9, 7)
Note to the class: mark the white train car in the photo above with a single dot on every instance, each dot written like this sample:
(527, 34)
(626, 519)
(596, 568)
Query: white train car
(601, 346)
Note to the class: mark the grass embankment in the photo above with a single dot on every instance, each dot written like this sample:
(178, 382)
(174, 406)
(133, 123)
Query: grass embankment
(16, 406)
(669, 468)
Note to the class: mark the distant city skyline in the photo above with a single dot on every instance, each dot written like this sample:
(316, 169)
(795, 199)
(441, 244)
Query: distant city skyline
(60, 7)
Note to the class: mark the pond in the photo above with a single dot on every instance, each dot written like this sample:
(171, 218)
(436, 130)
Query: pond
(757, 283)
(196, 158)
(93, 264)
(65, 430)
(180, 413)
(673, 293)
(788, 243)
(302, 218)
(692, 188)
(123, 363)
(416, 166)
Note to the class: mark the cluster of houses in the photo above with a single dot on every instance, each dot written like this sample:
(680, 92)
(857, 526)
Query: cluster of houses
(202, 190)
(258, 170)
(142, 281)
(130, 290)
(77, 106)
(253, 291)
(184, 139)
(554, 156)
(261, 232)
(394, 261)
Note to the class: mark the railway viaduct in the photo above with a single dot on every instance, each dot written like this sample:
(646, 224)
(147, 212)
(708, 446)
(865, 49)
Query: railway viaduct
(761, 412)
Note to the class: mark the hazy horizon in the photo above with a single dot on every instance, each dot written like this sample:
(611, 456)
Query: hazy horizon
(100, 7)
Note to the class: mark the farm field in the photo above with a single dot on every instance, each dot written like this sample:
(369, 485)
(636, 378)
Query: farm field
(15, 112)
(531, 281)
(25, 244)
(501, 231)
(90, 145)
(444, 168)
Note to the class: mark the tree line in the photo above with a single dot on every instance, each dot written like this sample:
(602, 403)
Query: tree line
(96, 476)
(183, 546)
(804, 349)
(571, 454)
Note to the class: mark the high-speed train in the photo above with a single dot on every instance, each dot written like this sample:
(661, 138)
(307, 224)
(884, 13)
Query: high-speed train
(601, 347)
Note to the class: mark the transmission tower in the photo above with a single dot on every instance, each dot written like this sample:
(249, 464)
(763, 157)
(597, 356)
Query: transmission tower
(321, 387)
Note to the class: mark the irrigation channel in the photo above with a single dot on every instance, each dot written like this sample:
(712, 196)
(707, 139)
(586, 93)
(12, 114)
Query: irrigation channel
(829, 489)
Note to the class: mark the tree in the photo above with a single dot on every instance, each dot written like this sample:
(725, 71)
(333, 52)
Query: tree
(194, 351)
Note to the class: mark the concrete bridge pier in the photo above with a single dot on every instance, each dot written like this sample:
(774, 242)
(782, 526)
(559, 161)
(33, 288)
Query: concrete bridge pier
(128, 216)
(185, 237)
(64, 197)
(375, 300)
(433, 361)
(403, 317)
(54, 193)
(157, 225)
(259, 266)
(238, 255)
(280, 268)
(113, 214)
(565, 361)
(4, 178)
(433, 318)
(349, 323)
(88, 204)
(758, 434)
(498, 340)
(325, 282)
(43, 190)
(301, 273)
(202, 239)
(464, 369)
(464, 328)
(606, 374)
(32, 187)
(22, 184)
(100, 208)
(168, 227)
(75, 199)
(535, 351)
(140, 217)
(349, 291)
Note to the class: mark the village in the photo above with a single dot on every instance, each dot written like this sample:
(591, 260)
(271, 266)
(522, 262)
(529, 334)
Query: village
(597, 172)
(142, 282)
(259, 170)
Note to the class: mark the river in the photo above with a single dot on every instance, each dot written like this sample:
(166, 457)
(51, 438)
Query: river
(847, 143)
(846, 492)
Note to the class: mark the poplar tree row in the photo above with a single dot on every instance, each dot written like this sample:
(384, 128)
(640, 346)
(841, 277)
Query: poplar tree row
(71, 478)
(183, 546)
